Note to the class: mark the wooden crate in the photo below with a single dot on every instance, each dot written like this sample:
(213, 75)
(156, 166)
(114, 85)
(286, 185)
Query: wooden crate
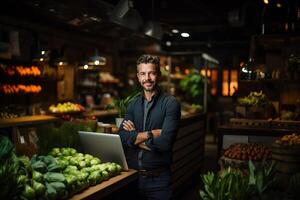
(260, 123)
(287, 158)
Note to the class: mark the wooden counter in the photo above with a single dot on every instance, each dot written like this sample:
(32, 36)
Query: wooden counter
(101, 113)
(107, 187)
(26, 120)
(188, 152)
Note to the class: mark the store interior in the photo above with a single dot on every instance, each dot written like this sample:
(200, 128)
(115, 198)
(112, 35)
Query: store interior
(69, 66)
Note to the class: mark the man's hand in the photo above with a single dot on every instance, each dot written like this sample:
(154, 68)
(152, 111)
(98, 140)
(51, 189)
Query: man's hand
(156, 133)
(128, 125)
(144, 146)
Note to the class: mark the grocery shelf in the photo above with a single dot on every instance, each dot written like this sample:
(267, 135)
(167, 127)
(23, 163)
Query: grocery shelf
(101, 113)
(26, 120)
(107, 187)
(275, 81)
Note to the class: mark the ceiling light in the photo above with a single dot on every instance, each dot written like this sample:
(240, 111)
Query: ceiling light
(175, 31)
(85, 67)
(278, 5)
(96, 59)
(185, 35)
(42, 52)
(266, 1)
(168, 43)
(41, 59)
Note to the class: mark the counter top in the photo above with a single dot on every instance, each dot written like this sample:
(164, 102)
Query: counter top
(26, 120)
(101, 113)
(107, 187)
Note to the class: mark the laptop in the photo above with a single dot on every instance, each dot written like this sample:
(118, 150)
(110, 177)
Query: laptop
(107, 147)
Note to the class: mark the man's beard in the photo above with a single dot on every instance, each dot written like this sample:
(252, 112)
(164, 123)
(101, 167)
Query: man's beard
(149, 89)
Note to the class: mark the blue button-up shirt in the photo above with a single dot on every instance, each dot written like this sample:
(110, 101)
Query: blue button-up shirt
(164, 113)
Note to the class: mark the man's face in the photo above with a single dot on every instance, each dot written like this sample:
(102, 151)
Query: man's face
(148, 76)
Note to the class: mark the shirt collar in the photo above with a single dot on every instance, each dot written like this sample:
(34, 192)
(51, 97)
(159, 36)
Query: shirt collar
(155, 96)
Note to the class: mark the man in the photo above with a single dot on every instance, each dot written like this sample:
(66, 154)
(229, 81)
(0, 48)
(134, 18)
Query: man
(149, 131)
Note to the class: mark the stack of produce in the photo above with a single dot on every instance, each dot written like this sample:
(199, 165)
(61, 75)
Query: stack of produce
(6, 115)
(63, 173)
(292, 139)
(59, 175)
(23, 71)
(9, 166)
(66, 108)
(250, 151)
(258, 99)
(20, 88)
(286, 153)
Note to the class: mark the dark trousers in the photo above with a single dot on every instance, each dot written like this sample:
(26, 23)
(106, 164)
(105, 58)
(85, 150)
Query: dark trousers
(155, 187)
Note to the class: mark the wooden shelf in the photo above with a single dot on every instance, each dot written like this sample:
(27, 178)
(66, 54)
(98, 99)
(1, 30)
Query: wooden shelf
(276, 81)
(101, 113)
(107, 187)
(26, 120)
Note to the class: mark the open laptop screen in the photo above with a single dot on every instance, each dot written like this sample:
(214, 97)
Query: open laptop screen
(107, 147)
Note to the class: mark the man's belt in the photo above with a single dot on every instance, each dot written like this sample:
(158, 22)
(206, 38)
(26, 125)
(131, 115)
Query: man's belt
(152, 172)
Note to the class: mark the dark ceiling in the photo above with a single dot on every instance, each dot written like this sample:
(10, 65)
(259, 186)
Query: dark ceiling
(213, 23)
(210, 23)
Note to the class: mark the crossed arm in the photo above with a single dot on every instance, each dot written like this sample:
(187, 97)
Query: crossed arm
(141, 136)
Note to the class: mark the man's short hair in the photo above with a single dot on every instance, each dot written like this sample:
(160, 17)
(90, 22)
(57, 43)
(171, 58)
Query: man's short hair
(149, 59)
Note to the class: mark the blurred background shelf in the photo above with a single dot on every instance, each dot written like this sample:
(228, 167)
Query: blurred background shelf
(26, 120)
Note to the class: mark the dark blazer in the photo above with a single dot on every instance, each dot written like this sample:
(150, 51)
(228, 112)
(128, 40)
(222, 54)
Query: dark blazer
(164, 114)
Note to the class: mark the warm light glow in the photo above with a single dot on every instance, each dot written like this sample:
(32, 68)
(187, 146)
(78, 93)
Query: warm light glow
(41, 59)
(97, 62)
(278, 5)
(175, 31)
(214, 81)
(233, 81)
(60, 63)
(85, 67)
(185, 35)
(167, 67)
(202, 72)
(241, 64)
(187, 71)
(42, 52)
(266, 1)
(225, 84)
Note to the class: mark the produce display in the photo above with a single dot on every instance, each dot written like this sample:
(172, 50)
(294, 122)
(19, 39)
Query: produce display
(23, 71)
(66, 108)
(6, 115)
(250, 151)
(59, 175)
(20, 88)
(235, 184)
(258, 99)
(292, 139)
(9, 166)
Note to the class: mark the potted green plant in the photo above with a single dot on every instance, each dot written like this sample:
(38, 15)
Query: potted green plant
(193, 87)
(121, 105)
